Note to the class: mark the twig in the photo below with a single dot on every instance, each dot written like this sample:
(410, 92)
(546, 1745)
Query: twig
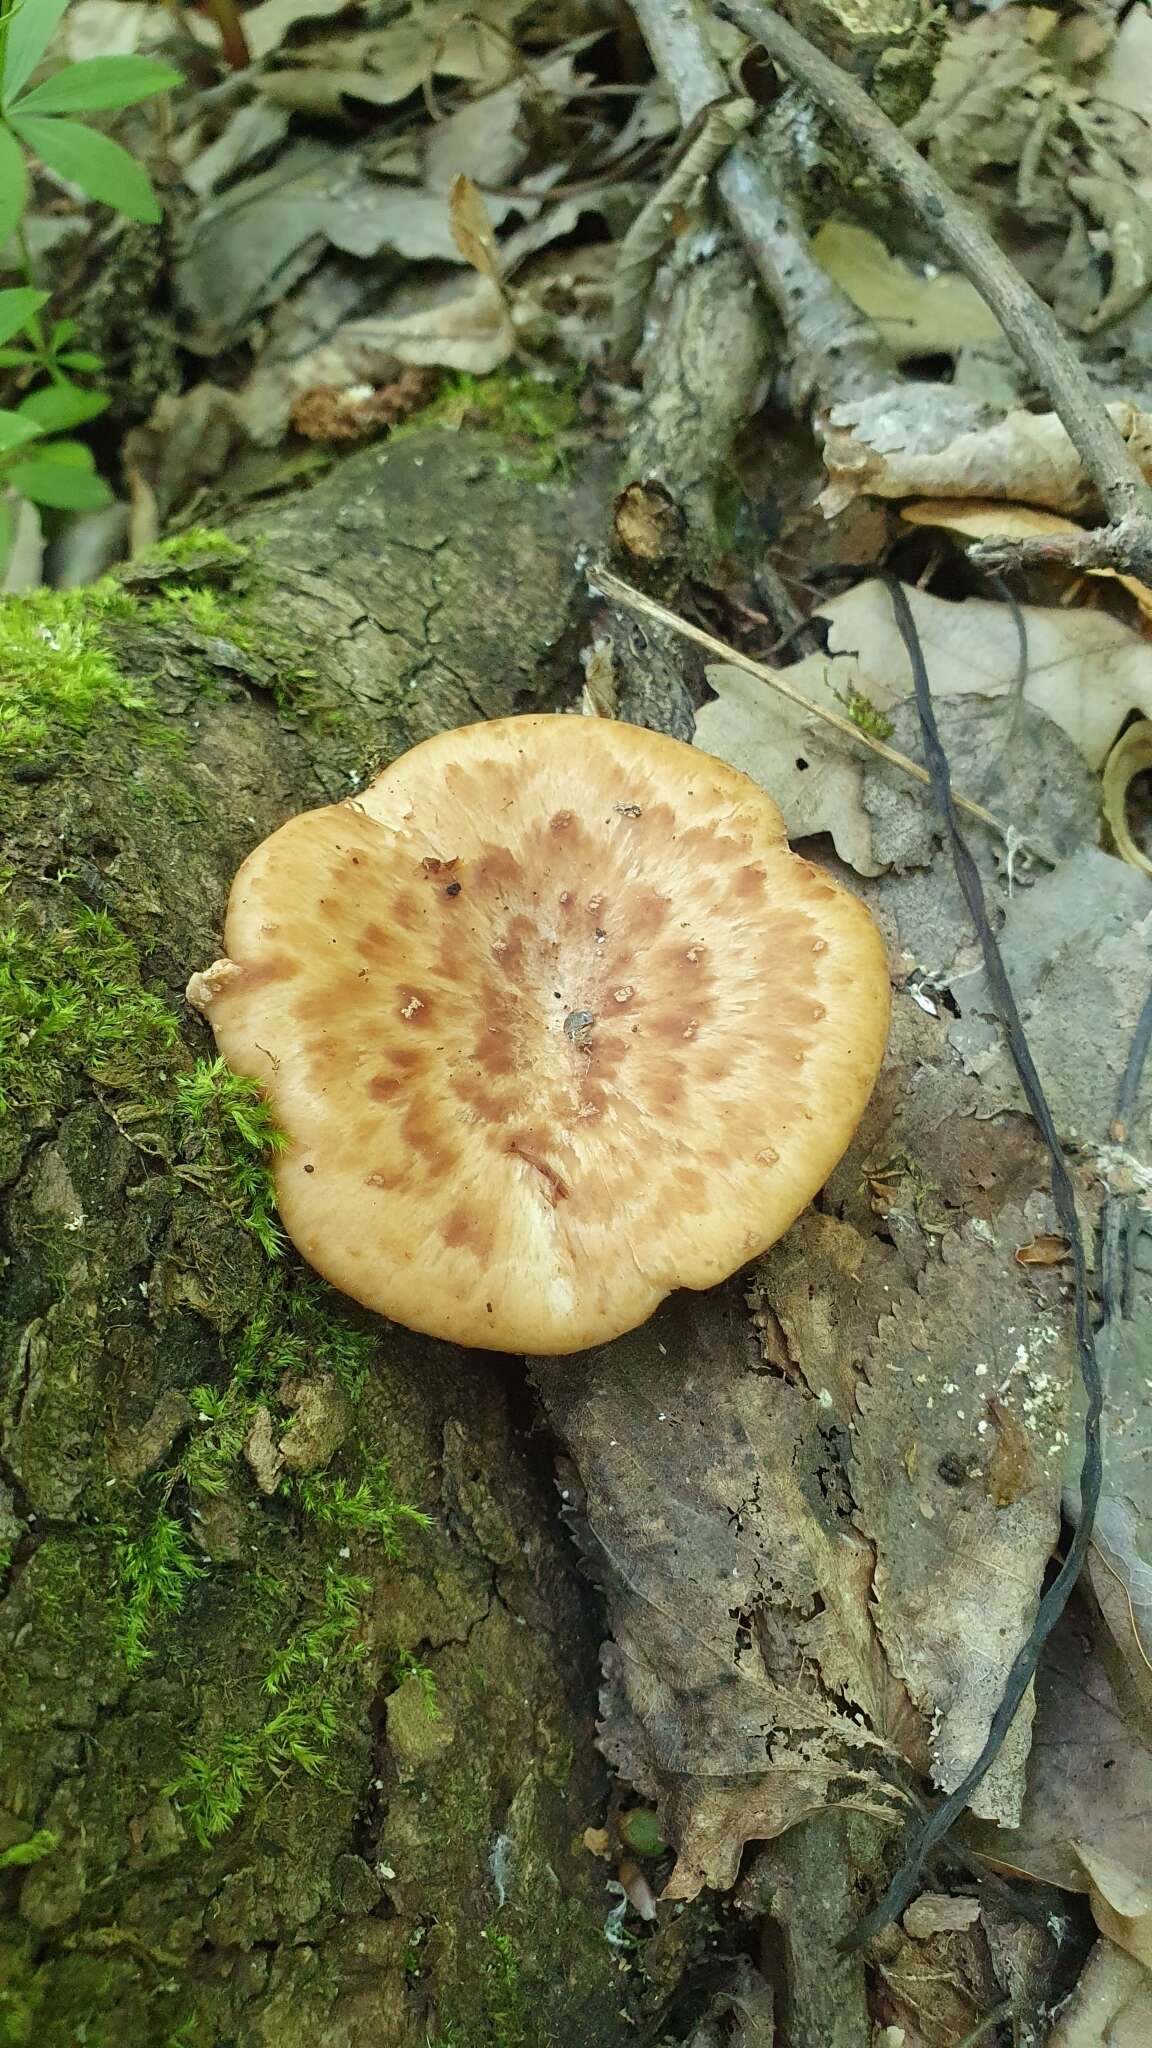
(836, 347)
(647, 238)
(1029, 324)
(619, 592)
(1054, 1601)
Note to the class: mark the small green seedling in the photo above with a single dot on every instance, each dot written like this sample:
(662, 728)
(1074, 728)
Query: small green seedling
(38, 460)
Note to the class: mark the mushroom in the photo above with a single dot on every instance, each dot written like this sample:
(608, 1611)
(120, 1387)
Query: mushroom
(554, 1022)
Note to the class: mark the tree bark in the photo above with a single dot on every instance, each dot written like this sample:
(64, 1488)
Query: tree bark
(173, 1637)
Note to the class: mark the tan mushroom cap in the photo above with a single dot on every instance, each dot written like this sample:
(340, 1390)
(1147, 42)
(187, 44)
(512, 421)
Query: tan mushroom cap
(554, 1021)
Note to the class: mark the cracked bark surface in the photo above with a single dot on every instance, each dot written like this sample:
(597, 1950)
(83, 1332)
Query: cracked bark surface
(423, 1886)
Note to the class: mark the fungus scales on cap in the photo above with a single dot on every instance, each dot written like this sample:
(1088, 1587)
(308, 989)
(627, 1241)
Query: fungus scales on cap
(554, 1022)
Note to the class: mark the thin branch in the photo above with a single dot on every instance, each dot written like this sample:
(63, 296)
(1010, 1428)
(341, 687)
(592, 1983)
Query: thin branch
(834, 345)
(1029, 324)
(619, 592)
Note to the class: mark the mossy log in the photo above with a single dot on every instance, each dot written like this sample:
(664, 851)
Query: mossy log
(281, 1759)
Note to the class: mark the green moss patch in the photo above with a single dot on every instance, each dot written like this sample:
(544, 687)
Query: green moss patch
(515, 405)
(72, 1005)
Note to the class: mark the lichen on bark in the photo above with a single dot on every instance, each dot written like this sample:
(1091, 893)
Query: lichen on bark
(296, 1670)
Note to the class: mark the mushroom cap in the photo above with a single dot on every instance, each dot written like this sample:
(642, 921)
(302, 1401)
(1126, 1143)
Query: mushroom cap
(554, 1022)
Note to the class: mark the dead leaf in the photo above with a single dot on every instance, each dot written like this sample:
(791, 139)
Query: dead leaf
(456, 330)
(1121, 1902)
(917, 312)
(266, 26)
(744, 1685)
(1089, 1779)
(1131, 756)
(321, 1419)
(472, 229)
(444, 40)
(814, 775)
(1075, 947)
(647, 523)
(931, 444)
(1111, 2006)
(1125, 230)
(1125, 77)
(1086, 670)
(988, 520)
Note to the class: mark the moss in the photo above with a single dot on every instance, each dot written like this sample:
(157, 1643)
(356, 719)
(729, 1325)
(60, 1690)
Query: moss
(307, 1682)
(72, 1005)
(425, 1677)
(517, 406)
(227, 1134)
(199, 550)
(367, 1506)
(59, 674)
(32, 1849)
(504, 1993)
(155, 1571)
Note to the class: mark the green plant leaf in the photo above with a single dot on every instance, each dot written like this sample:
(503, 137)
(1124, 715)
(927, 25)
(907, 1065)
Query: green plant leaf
(16, 308)
(59, 486)
(93, 161)
(100, 82)
(62, 331)
(9, 357)
(58, 406)
(13, 183)
(60, 474)
(15, 430)
(31, 27)
(81, 359)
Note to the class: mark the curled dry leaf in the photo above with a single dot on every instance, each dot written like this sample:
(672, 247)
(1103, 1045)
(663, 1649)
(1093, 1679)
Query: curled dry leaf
(1045, 1250)
(986, 519)
(472, 229)
(1126, 228)
(1121, 1902)
(945, 447)
(1131, 756)
(1111, 2006)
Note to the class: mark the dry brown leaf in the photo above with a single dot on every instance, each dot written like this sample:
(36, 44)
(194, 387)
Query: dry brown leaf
(1121, 1902)
(917, 313)
(459, 330)
(472, 229)
(892, 445)
(744, 1684)
(1089, 1778)
(1131, 756)
(939, 1913)
(1111, 2006)
(958, 1567)
(815, 776)
(1086, 670)
(980, 519)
